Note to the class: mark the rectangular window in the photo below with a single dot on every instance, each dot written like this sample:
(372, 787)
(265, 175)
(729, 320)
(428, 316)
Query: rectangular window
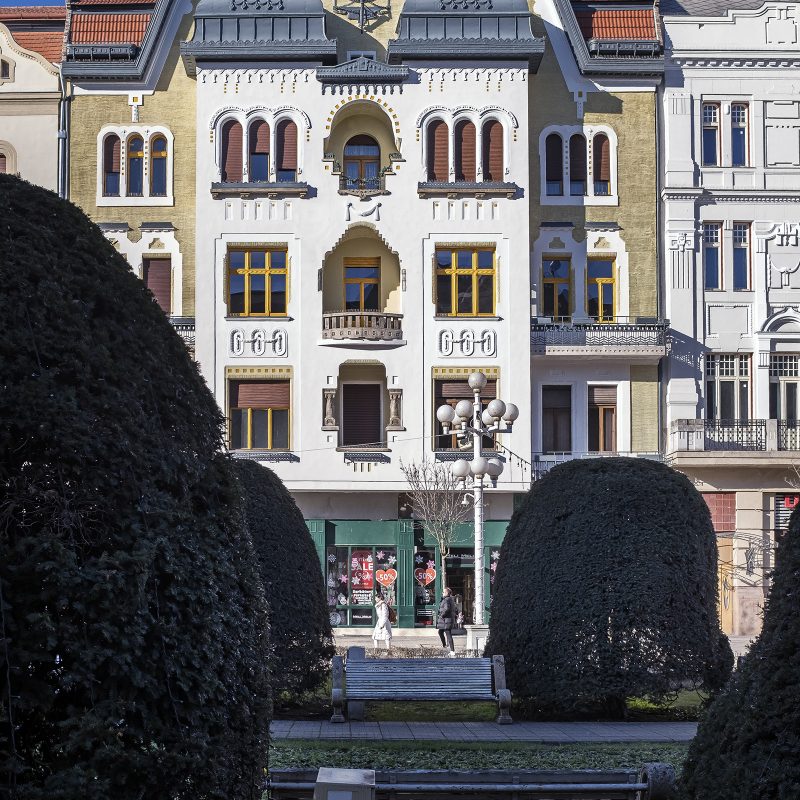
(722, 506)
(741, 256)
(784, 379)
(556, 419)
(728, 387)
(465, 282)
(259, 415)
(556, 288)
(600, 289)
(361, 415)
(710, 145)
(362, 284)
(449, 392)
(257, 282)
(712, 263)
(353, 578)
(602, 423)
(739, 142)
(157, 276)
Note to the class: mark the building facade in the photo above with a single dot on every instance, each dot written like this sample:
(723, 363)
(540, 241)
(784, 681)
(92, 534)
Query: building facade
(31, 40)
(132, 139)
(731, 185)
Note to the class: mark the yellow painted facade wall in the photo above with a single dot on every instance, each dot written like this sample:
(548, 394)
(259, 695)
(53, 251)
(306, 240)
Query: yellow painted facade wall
(172, 105)
(644, 409)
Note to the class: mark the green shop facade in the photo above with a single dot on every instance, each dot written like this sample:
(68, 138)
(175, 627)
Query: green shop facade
(402, 562)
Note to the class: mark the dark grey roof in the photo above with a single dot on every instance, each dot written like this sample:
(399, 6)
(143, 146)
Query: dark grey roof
(258, 30)
(466, 29)
(706, 8)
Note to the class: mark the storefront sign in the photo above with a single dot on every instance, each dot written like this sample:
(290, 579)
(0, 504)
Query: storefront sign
(361, 569)
(361, 616)
(386, 577)
(425, 576)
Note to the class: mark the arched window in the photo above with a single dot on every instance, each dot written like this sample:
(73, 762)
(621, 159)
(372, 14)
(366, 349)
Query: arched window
(601, 167)
(111, 164)
(465, 162)
(258, 137)
(492, 159)
(437, 151)
(577, 165)
(554, 164)
(286, 145)
(158, 167)
(135, 166)
(3, 164)
(5, 70)
(362, 163)
(231, 152)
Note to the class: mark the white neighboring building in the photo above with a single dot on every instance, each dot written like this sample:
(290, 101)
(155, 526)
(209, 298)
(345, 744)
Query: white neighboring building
(363, 245)
(731, 210)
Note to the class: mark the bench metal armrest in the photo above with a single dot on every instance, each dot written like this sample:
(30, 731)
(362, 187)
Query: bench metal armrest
(502, 691)
(337, 689)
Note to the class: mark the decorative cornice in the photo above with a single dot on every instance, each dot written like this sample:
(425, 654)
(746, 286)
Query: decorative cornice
(731, 195)
(531, 50)
(724, 59)
(319, 50)
(362, 70)
(467, 188)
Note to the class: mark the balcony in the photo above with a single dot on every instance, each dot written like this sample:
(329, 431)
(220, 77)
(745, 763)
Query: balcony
(363, 187)
(479, 189)
(367, 327)
(184, 326)
(542, 463)
(643, 338)
(755, 442)
(269, 189)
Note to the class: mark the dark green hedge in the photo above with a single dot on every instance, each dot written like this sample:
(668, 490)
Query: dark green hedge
(606, 588)
(300, 629)
(748, 743)
(133, 634)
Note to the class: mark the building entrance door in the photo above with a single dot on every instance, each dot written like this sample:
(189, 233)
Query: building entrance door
(461, 579)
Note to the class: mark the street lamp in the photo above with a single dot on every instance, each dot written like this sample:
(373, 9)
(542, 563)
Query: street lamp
(470, 419)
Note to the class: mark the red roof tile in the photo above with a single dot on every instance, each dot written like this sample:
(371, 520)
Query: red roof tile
(618, 24)
(108, 28)
(82, 3)
(9, 13)
(47, 43)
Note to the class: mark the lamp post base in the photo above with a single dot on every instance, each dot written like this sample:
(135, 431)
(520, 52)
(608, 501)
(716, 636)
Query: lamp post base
(476, 637)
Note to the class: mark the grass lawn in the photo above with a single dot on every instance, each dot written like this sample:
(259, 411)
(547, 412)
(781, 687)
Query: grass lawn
(300, 753)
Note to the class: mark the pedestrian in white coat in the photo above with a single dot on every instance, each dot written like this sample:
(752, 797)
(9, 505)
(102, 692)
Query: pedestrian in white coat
(383, 628)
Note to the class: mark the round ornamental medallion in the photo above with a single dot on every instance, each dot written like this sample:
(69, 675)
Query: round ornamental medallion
(336, 618)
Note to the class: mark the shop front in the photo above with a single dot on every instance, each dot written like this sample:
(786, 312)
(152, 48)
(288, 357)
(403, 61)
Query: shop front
(396, 559)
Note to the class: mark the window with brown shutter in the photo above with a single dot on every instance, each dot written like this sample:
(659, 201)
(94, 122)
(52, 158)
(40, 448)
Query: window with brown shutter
(231, 155)
(258, 166)
(577, 165)
(361, 414)
(449, 392)
(437, 151)
(286, 145)
(602, 419)
(556, 419)
(157, 274)
(259, 415)
(465, 152)
(602, 164)
(554, 164)
(111, 165)
(492, 151)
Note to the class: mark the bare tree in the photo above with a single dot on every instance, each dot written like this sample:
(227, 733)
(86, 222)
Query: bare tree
(436, 500)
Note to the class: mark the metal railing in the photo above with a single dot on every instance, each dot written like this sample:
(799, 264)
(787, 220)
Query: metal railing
(788, 435)
(619, 332)
(362, 186)
(542, 463)
(734, 434)
(368, 325)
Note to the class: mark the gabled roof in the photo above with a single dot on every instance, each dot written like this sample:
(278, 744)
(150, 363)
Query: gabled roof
(258, 30)
(456, 29)
(37, 28)
(361, 70)
(618, 24)
(108, 28)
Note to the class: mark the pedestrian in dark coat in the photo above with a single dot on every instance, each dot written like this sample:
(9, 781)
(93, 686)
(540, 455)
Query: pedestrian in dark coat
(447, 615)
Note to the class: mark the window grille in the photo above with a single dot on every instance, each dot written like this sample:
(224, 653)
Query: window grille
(784, 366)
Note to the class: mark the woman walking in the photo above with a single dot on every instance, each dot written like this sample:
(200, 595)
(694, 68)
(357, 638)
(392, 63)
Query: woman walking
(444, 624)
(383, 627)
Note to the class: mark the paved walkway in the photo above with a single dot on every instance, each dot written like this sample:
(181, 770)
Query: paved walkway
(551, 732)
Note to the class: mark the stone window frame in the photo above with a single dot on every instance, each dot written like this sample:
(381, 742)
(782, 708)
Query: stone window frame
(12, 68)
(125, 133)
(566, 132)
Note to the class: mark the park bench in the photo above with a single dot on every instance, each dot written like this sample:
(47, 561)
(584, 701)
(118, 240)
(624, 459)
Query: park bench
(362, 679)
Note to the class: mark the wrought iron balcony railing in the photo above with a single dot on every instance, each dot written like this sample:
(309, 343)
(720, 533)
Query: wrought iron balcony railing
(362, 187)
(364, 325)
(621, 332)
(544, 462)
(734, 435)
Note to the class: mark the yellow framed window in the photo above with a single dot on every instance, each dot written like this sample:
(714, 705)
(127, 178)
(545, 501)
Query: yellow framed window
(556, 288)
(465, 282)
(135, 166)
(259, 415)
(601, 289)
(257, 282)
(158, 167)
(362, 284)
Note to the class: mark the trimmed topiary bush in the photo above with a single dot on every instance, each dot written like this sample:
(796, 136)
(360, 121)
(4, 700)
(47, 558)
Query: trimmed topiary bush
(133, 633)
(748, 743)
(300, 629)
(606, 588)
